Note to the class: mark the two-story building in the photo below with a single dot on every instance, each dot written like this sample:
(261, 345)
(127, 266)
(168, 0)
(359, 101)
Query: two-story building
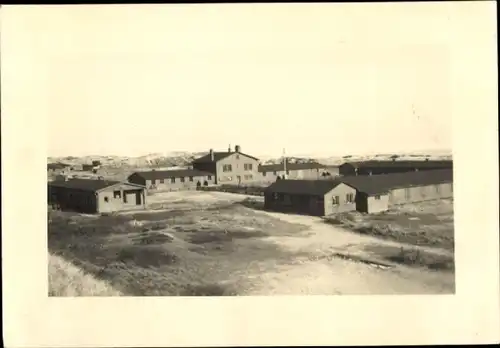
(229, 167)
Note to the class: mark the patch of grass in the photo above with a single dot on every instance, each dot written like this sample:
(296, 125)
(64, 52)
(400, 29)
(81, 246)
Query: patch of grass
(153, 238)
(424, 224)
(185, 253)
(65, 279)
(146, 257)
(413, 257)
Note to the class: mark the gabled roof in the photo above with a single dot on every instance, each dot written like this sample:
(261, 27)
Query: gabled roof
(401, 164)
(219, 156)
(86, 184)
(164, 174)
(303, 187)
(290, 166)
(382, 183)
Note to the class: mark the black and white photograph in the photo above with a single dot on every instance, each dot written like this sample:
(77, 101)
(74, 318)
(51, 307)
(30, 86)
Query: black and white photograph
(252, 150)
(243, 165)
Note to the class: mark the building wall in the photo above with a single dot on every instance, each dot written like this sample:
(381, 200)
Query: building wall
(166, 184)
(341, 191)
(238, 173)
(72, 200)
(190, 183)
(377, 204)
(306, 174)
(297, 204)
(420, 193)
(120, 197)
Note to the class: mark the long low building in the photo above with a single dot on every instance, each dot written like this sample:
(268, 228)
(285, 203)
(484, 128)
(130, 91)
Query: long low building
(374, 167)
(172, 180)
(312, 170)
(95, 196)
(370, 194)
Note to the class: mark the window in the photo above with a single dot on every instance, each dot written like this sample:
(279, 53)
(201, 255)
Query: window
(191, 178)
(209, 177)
(117, 194)
(172, 180)
(275, 173)
(335, 200)
(407, 193)
(248, 177)
(162, 181)
(287, 172)
(349, 198)
(438, 188)
(183, 179)
(227, 168)
(106, 199)
(153, 182)
(377, 197)
(237, 156)
(248, 166)
(263, 173)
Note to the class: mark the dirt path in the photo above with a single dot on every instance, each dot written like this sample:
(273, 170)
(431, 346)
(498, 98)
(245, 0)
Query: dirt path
(324, 275)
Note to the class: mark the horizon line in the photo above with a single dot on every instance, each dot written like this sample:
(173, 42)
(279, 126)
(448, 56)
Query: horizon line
(371, 153)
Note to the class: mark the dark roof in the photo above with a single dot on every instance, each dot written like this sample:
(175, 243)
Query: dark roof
(369, 184)
(382, 183)
(218, 156)
(163, 174)
(305, 187)
(401, 164)
(290, 166)
(83, 184)
(57, 165)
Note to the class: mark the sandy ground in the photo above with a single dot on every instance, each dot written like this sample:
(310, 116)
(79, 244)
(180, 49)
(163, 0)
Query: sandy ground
(317, 272)
(326, 276)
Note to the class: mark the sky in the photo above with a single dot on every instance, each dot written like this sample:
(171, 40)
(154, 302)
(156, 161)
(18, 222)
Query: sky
(327, 79)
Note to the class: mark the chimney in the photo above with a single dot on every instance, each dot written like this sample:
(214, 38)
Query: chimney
(212, 155)
(237, 148)
(229, 148)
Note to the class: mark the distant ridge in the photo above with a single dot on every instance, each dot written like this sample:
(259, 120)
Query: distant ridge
(180, 159)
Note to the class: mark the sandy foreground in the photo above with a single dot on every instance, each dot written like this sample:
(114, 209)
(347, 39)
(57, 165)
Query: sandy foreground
(328, 276)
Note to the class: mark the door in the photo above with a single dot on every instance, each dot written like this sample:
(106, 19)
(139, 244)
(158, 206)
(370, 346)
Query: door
(239, 179)
(138, 198)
